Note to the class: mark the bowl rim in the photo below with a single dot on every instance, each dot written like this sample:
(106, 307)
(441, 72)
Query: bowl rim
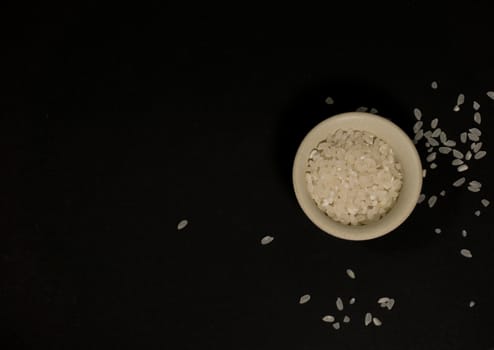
(364, 232)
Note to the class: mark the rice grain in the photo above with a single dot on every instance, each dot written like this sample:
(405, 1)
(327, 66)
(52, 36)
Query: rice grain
(182, 224)
(466, 253)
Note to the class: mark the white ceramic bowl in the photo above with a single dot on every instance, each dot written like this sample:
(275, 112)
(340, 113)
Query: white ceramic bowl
(404, 151)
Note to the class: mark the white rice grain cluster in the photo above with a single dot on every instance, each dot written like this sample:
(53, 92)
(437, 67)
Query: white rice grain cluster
(354, 177)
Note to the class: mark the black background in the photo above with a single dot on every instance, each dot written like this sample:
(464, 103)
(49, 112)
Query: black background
(119, 122)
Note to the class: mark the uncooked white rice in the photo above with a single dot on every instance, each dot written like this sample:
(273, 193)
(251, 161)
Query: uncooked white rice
(336, 325)
(442, 193)
(490, 94)
(480, 154)
(377, 322)
(339, 304)
(471, 303)
(350, 273)
(457, 162)
(304, 299)
(477, 213)
(475, 183)
(436, 133)
(462, 168)
(328, 318)
(442, 137)
(417, 126)
(476, 147)
(182, 224)
(459, 182)
(382, 300)
(463, 137)
(475, 131)
(464, 233)
(431, 157)
(362, 109)
(391, 303)
(485, 202)
(373, 111)
(444, 150)
(354, 177)
(417, 113)
(456, 108)
(477, 118)
(450, 143)
(429, 150)
(466, 253)
(434, 85)
(418, 135)
(368, 318)
(266, 240)
(432, 200)
(434, 123)
(329, 100)
(421, 198)
(468, 155)
(437, 230)
(457, 154)
(433, 142)
(352, 301)
(473, 137)
(346, 319)
(476, 105)
(460, 100)
(424, 172)
(433, 166)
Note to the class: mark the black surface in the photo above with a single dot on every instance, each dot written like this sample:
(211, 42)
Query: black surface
(118, 123)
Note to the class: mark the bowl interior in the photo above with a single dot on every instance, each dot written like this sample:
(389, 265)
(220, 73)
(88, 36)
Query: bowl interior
(404, 151)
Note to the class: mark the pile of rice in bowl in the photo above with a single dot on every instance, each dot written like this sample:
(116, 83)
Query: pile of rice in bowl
(353, 177)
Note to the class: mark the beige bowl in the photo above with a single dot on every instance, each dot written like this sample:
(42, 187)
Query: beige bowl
(404, 151)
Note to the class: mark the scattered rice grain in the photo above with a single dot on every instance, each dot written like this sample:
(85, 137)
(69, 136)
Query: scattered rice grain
(336, 325)
(444, 150)
(476, 147)
(329, 100)
(304, 299)
(328, 318)
(450, 143)
(368, 318)
(433, 166)
(382, 300)
(473, 137)
(424, 173)
(460, 100)
(442, 193)
(456, 108)
(468, 155)
(373, 111)
(477, 118)
(490, 94)
(417, 126)
(463, 137)
(352, 301)
(475, 131)
(437, 133)
(459, 182)
(346, 319)
(457, 154)
(434, 85)
(432, 200)
(182, 224)
(471, 303)
(377, 322)
(421, 198)
(266, 240)
(485, 202)
(418, 135)
(476, 105)
(480, 154)
(462, 168)
(391, 303)
(466, 253)
(339, 304)
(437, 230)
(464, 233)
(362, 109)
(457, 162)
(434, 123)
(417, 113)
(350, 274)
(431, 157)
(477, 213)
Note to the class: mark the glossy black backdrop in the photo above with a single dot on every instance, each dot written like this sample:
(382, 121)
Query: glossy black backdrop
(117, 123)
